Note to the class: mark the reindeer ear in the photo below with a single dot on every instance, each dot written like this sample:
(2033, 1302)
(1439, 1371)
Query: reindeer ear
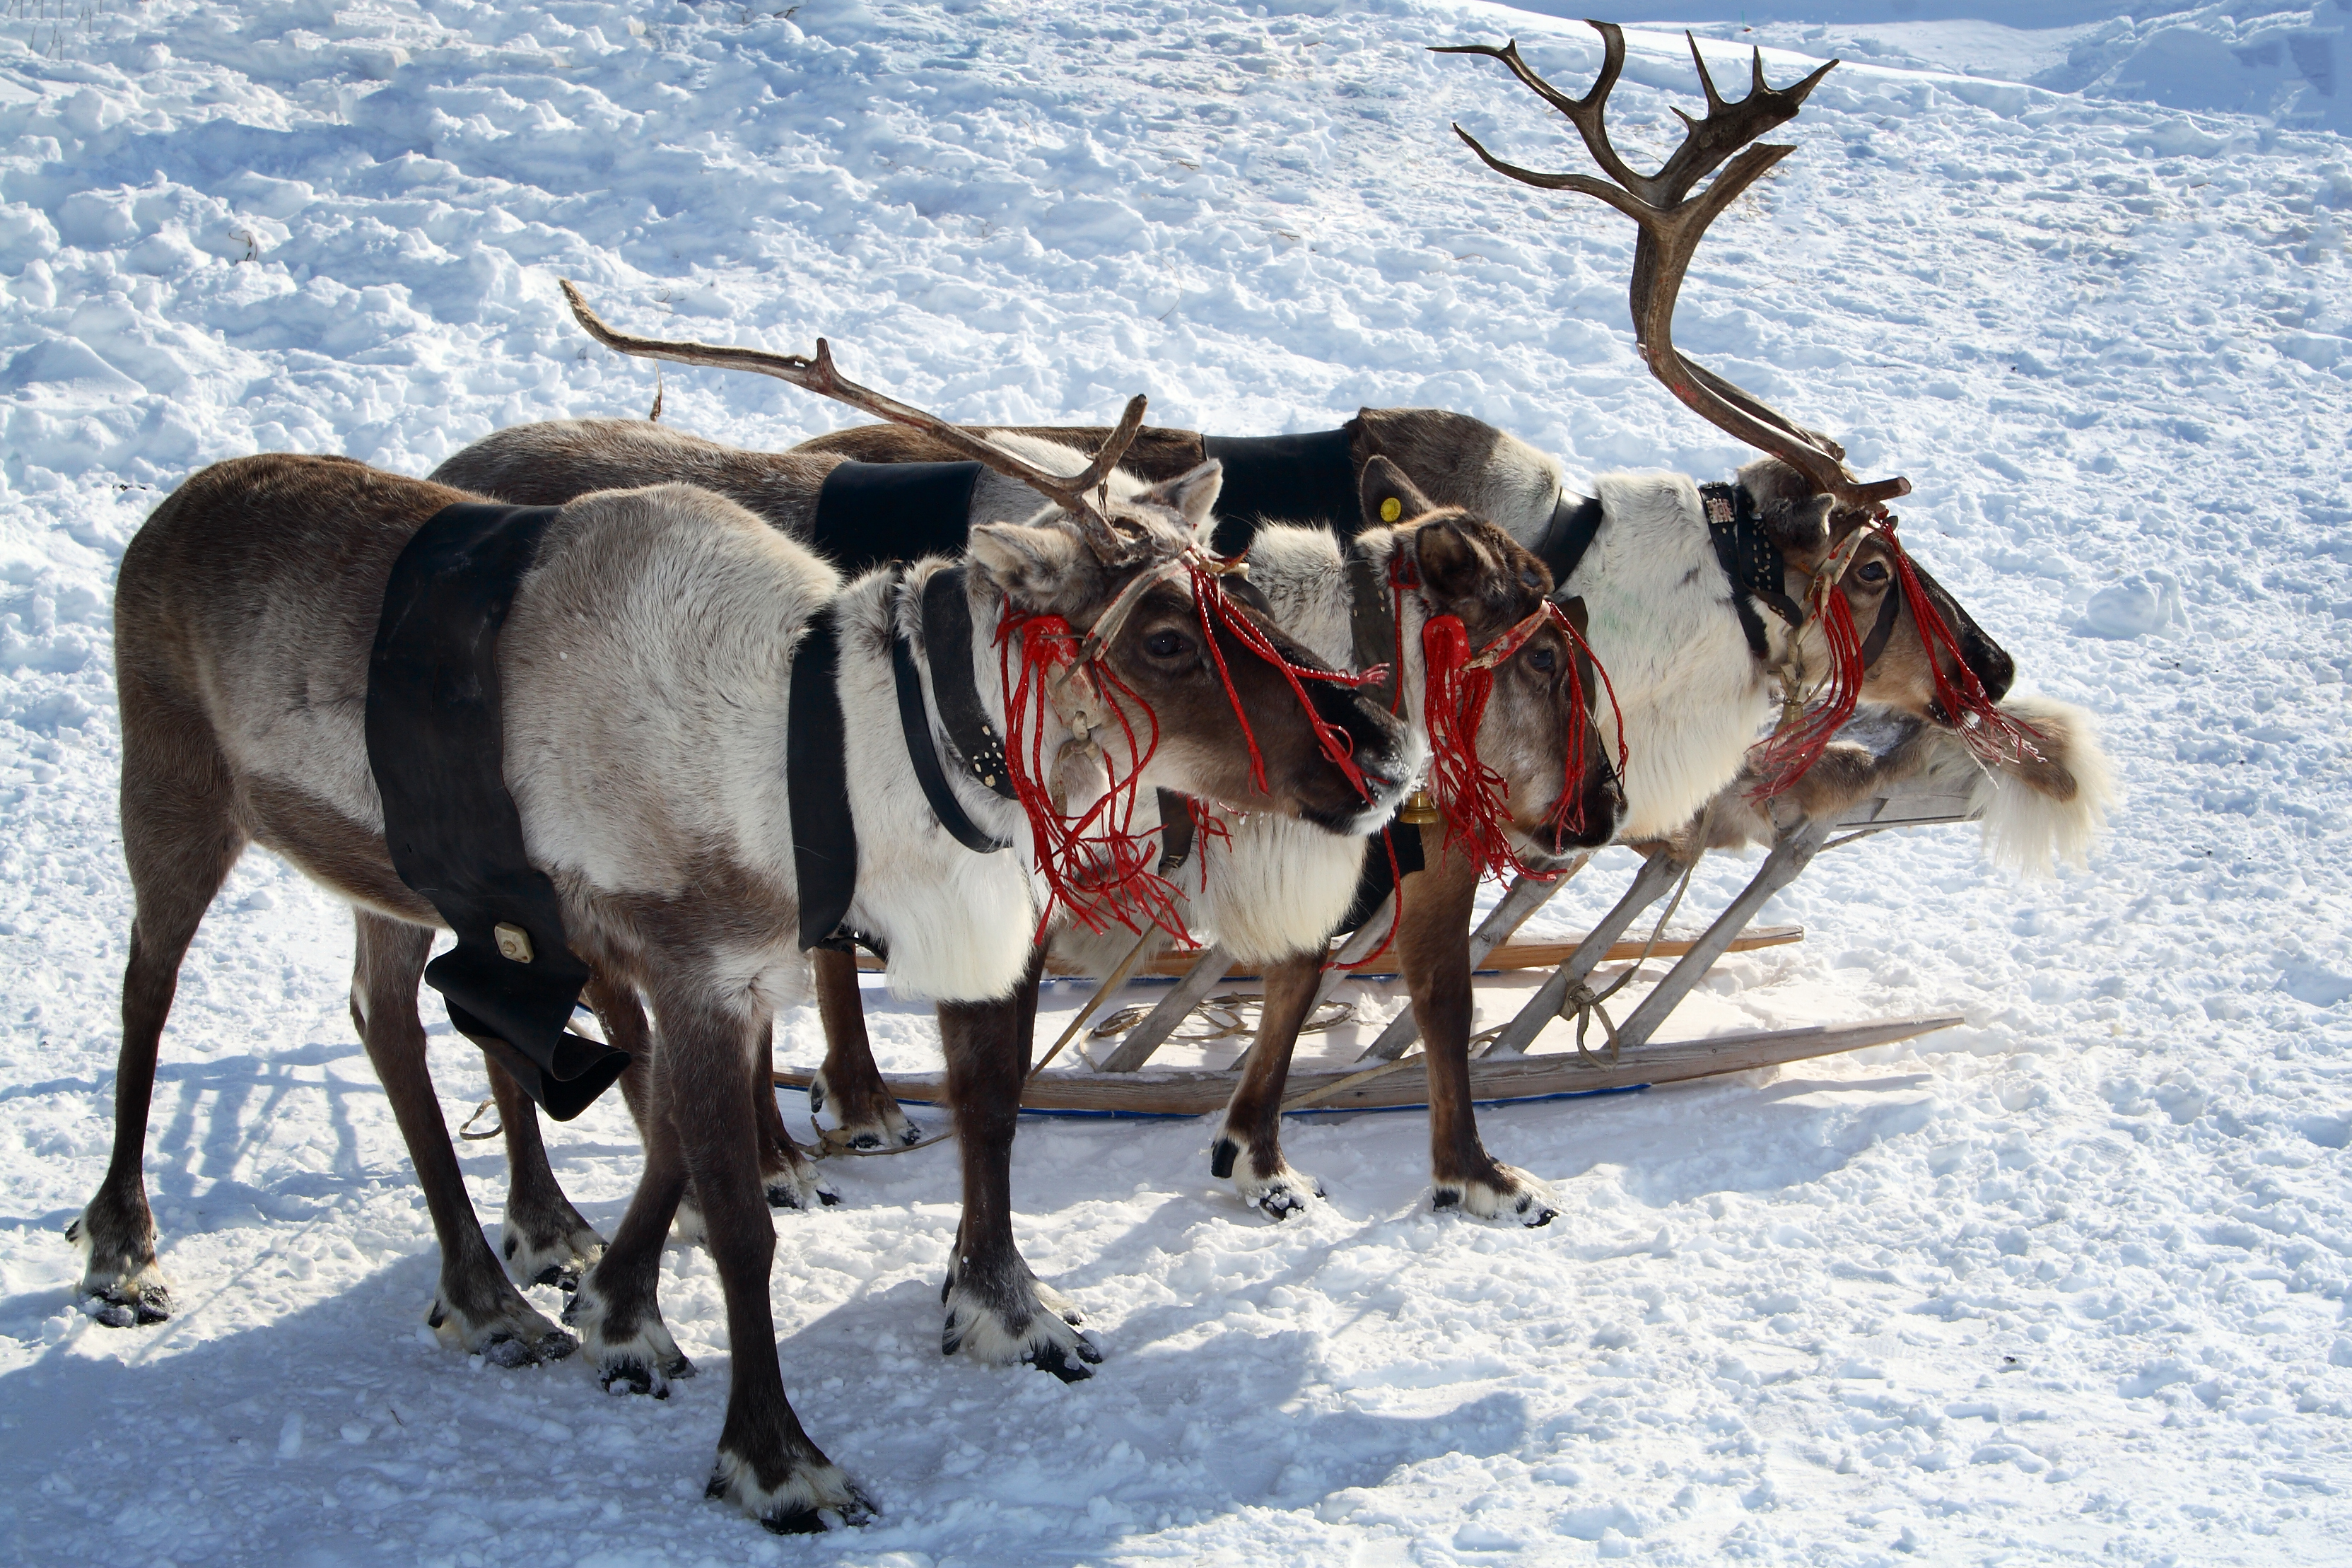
(1389, 497)
(1797, 519)
(1030, 564)
(1191, 495)
(1452, 565)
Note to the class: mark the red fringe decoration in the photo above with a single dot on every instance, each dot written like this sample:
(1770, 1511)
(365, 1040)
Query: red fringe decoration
(1209, 595)
(1456, 689)
(1095, 865)
(1992, 735)
(1781, 759)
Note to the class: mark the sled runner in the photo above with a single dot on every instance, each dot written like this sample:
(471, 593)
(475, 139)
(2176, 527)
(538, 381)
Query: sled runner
(1114, 1081)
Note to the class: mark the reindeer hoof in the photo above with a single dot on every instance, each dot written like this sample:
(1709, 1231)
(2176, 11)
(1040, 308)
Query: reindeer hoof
(127, 1291)
(642, 1360)
(1279, 1193)
(557, 1259)
(627, 1374)
(880, 1125)
(509, 1334)
(510, 1351)
(1040, 1331)
(1056, 1359)
(812, 1498)
(793, 1190)
(130, 1304)
(1509, 1195)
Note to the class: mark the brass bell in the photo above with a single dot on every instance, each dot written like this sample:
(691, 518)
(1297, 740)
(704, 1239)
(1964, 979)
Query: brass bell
(1419, 810)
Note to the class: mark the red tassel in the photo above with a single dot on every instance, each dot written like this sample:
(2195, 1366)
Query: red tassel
(1455, 689)
(1781, 759)
(1992, 735)
(1095, 865)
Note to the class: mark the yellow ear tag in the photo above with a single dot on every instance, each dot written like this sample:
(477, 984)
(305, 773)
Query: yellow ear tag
(1391, 510)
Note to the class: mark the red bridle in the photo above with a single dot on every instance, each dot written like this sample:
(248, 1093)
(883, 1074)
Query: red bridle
(1096, 865)
(1806, 728)
(1456, 687)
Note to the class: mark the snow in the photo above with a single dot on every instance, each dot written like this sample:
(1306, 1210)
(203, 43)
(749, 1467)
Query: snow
(2066, 1283)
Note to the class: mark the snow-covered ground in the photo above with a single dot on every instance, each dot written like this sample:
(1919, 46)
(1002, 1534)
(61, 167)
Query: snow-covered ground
(2066, 1284)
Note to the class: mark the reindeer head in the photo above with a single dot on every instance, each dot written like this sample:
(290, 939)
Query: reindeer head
(1506, 688)
(1182, 649)
(1900, 665)
(1830, 525)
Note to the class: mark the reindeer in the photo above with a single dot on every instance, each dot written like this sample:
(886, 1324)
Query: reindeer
(645, 664)
(1269, 889)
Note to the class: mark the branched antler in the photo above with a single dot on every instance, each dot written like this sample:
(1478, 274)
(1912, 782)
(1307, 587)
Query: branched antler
(1671, 224)
(1081, 494)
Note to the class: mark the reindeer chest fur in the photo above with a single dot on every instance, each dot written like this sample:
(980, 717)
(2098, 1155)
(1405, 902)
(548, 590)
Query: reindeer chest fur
(650, 666)
(1690, 689)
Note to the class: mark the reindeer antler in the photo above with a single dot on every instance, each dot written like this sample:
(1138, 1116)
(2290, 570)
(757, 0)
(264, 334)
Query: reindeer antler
(1075, 493)
(1672, 223)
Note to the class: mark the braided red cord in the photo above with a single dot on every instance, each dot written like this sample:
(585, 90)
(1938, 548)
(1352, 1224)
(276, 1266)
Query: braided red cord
(1096, 863)
(1208, 595)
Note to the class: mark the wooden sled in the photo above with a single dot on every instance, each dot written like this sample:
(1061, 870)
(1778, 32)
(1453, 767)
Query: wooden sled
(1385, 1078)
(1177, 962)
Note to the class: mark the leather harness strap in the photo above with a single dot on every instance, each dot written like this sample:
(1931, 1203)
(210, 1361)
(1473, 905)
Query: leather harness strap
(1751, 562)
(1371, 622)
(1309, 478)
(816, 783)
(972, 742)
(1575, 523)
(1881, 628)
(915, 728)
(1175, 832)
(868, 514)
(436, 747)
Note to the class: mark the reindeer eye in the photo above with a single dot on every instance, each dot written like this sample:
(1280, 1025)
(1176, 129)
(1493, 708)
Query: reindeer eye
(1166, 644)
(1872, 572)
(1543, 659)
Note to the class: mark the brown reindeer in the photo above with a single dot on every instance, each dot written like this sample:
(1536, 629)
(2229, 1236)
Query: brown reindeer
(645, 667)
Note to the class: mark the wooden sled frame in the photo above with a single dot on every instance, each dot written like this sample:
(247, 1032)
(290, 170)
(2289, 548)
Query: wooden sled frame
(1503, 1070)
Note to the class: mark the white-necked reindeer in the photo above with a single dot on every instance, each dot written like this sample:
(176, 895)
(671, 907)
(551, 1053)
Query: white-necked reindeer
(645, 666)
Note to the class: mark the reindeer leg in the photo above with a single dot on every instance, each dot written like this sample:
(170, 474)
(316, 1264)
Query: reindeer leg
(1249, 1148)
(617, 1307)
(786, 1173)
(478, 1307)
(542, 1237)
(1433, 953)
(849, 1083)
(766, 1465)
(181, 844)
(998, 1312)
